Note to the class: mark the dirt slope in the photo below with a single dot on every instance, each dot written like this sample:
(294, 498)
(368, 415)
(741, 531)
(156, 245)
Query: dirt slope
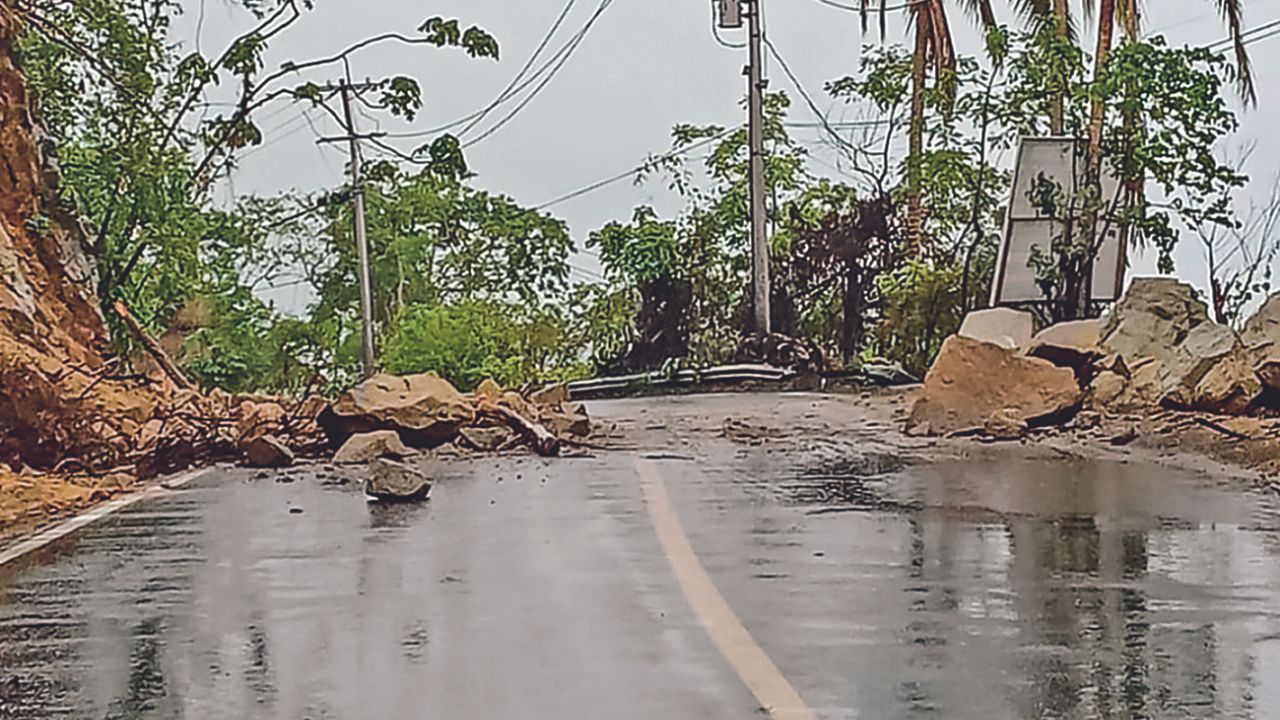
(54, 394)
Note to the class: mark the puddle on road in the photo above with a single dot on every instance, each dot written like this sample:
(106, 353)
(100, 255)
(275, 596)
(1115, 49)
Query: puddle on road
(1022, 588)
(962, 590)
(853, 483)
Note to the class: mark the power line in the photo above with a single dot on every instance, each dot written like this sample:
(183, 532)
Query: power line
(1193, 19)
(1250, 36)
(870, 9)
(813, 107)
(508, 91)
(568, 52)
(651, 163)
(515, 88)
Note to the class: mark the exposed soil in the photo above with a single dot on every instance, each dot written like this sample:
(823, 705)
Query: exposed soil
(31, 501)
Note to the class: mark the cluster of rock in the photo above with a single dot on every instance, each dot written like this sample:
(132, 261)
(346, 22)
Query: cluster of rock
(425, 411)
(387, 419)
(1157, 347)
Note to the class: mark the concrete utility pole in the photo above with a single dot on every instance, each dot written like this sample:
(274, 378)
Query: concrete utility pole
(368, 364)
(759, 221)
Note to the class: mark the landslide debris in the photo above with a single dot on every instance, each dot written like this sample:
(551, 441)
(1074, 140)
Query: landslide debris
(65, 404)
(394, 481)
(1261, 337)
(1202, 365)
(68, 407)
(972, 381)
(1156, 355)
(425, 411)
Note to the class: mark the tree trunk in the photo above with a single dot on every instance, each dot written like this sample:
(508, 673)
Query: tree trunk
(1061, 18)
(915, 153)
(853, 327)
(1097, 115)
(1076, 303)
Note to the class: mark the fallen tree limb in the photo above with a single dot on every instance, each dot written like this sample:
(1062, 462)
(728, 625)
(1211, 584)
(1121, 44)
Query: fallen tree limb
(1216, 427)
(156, 352)
(543, 441)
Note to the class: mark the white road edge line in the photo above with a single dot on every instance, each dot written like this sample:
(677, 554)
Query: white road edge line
(66, 527)
(730, 636)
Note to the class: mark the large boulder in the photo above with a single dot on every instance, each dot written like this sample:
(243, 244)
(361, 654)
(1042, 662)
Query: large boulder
(1210, 370)
(267, 451)
(972, 380)
(1006, 327)
(566, 419)
(1152, 318)
(1261, 338)
(394, 481)
(425, 409)
(1202, 365)
(1075, 344)
(365, 447)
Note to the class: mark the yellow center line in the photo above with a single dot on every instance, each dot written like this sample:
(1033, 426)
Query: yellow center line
(735, 643)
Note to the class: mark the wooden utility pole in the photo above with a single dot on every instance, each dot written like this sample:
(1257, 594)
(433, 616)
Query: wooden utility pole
(368, 363)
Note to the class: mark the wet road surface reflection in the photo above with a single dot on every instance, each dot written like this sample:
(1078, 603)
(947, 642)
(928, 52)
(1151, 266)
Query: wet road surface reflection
(882, 587)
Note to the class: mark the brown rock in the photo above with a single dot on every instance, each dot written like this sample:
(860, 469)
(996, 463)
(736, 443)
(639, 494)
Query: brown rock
(1231, 386)
(426, 409)
(486, 439)
(1202, 365)
(1006, 424)
(552, 395)
(488, 389)
(267, 451)
(517, 403)
(257, 419)
(394, 481)
(972, 380)
(1141, 388)
(1106, 389)
(570, 419)
(364, 447)
(1006, 327)
(1072, 344)
(1261, 338)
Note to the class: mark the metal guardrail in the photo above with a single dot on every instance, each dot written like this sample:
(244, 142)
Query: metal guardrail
(881, 375)
(680, 378)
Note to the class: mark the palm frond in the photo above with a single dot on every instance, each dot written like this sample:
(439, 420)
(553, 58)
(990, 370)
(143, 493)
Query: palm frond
(1039, 12)
(981, 11)
(1233, 12)
(864, 12)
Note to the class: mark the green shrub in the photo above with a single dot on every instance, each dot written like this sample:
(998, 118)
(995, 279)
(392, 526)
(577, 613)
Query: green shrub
(921, 307)
(468, 341)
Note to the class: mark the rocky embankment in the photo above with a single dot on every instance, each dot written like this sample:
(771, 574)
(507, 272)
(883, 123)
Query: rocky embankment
(1155, 367)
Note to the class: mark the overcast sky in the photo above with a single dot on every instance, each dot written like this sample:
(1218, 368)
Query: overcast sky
(645, 66)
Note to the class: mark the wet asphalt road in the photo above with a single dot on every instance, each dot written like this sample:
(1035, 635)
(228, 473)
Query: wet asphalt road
(880, 585)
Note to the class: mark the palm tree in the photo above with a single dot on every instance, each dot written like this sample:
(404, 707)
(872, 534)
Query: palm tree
(1057, 11)
(1128, 15)
(934, 49)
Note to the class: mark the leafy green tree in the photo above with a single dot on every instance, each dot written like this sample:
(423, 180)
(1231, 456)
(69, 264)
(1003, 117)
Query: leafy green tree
(139, 150)
(934, 48)
(436, 242)
(1165, 113)
(470, 340)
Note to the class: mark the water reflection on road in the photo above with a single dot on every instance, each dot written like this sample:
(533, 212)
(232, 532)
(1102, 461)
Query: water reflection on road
(881, 588)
